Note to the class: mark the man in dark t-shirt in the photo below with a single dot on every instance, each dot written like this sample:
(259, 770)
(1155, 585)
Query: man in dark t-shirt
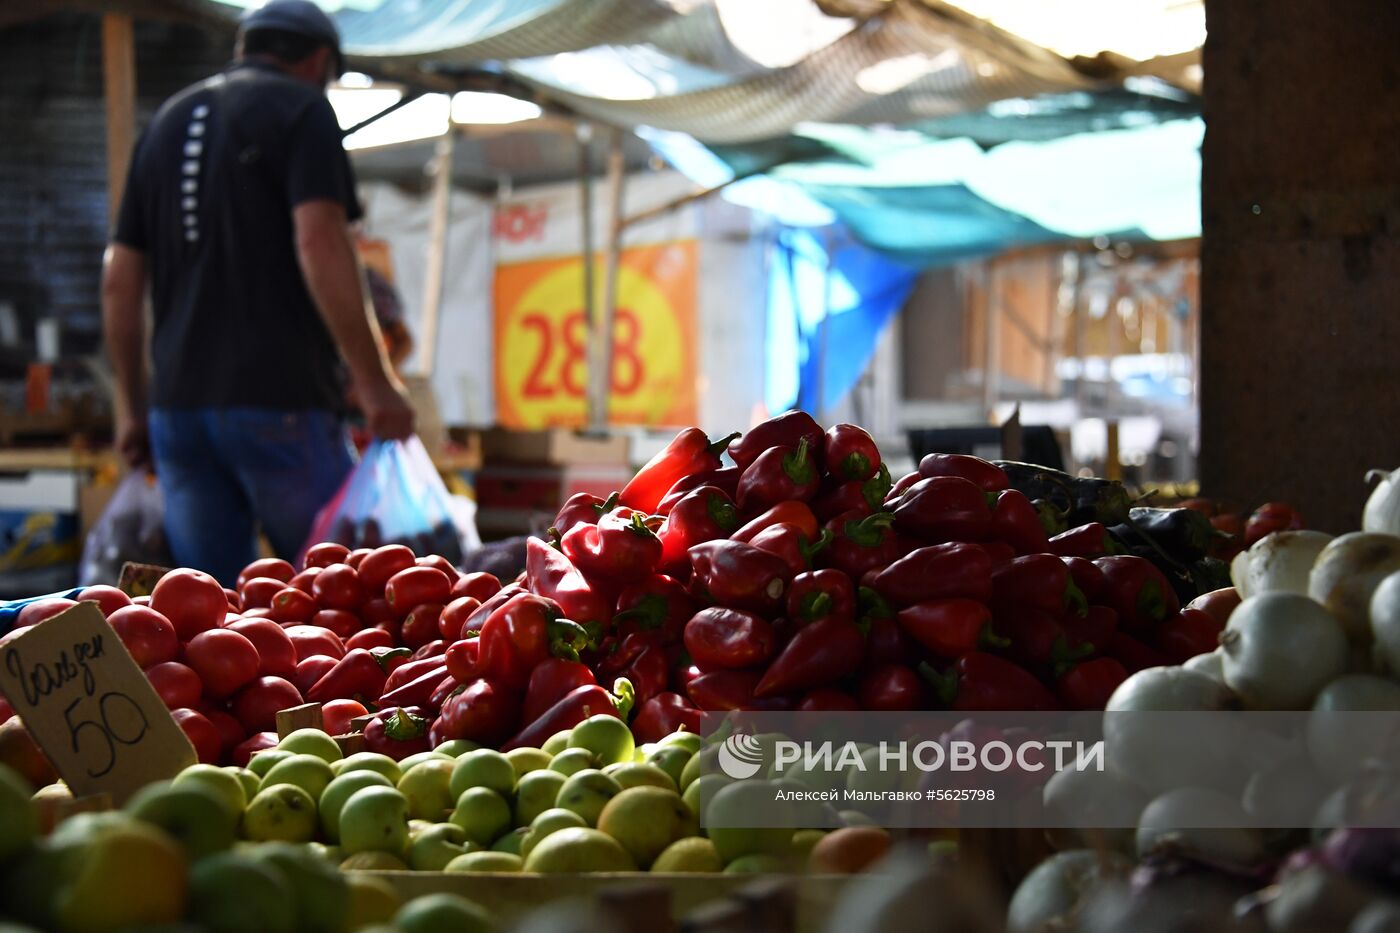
(236, 216)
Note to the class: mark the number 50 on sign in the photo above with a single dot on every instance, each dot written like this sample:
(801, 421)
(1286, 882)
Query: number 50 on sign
(542, 338)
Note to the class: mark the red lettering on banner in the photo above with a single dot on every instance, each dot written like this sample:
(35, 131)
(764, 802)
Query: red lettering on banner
(520, 222)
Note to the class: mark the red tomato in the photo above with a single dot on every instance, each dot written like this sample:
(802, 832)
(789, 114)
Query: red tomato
(262, 613)
(258, 592)
(258, 742)
(231, 731)
(36, 612)
(378, 610)
(370, 638)
(441, 563)
(147, 634)
(312, 639)
(208, 743)
(257, 704)
(108, 598)
(325, 554)
(382, 563)
(358, 555)
(303, 580)
(140, 600)
(336, 715)
(274, 567)
(341, 622)
(1189, 633)
(292, 605)
(421, 626)
(454, 616)
(223, 659)
(235, 602)
(338, 587)
(415, 586)
(310, 670)
(177, 684)
(194, 602)
(481, 585)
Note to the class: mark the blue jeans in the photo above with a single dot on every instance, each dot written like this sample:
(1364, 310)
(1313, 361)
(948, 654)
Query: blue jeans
(226, 471)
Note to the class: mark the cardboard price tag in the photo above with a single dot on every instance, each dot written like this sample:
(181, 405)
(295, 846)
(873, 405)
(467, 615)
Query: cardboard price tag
(84, 700)
(140, 579)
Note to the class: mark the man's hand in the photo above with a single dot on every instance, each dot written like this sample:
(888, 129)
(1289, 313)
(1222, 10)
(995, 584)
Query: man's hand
(133, 442)
(388, 413)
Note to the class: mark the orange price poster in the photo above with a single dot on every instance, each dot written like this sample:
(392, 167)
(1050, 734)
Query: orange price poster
(542, 338)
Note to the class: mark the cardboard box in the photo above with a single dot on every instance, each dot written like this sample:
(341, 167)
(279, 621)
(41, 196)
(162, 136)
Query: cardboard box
(520, 499)
(555, 446)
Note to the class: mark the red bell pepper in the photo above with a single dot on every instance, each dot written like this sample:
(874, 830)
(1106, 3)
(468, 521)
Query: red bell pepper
(703, 514)
(1138, 592)
(1089, 684)
(788, 542)
(571, 709)
(1015, 521)
(1088, 541)
(1038, 642)
(1036, 581)
(433, 649)
(582, 508)
(850, 453)
(886, 641)
(725, 479)
(664, 714)
(740, 576)
(1187, 634)
(779, 474)
(418, 691)
(309, 670)
(945, 508)
(723, 690)
(999, 551)
(397, 732)
(728, 638)
(984, 474)
(480, 585)
(785, 430)
(900, 487)
(892, 688)
(360, 675)
(821, 594)
(553, 575)
(689, 452)
(940, 571)
(791, 512)
(865, 497)
(461, 659)
(862, 543)
(657, 604)
(1086, 576)
(642, 658)
(483, 712)
(448, 686)
(550, 682)
(523, 633)
(950, 628)
(477, 619)
(1271, 517)
(981, 681)
(825, 699)
(405, 673)
(1095, 628)
(1133, 654)
(821, 653)
(370, 638)
(454, 617)
(621, 548)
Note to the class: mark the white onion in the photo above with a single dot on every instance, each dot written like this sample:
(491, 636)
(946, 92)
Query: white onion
(1316, 898)
(1280, 650)
(1280, 562)
(1239, 573)
(1055, 888)
(1337, 744)
(1285, 793)
(1102, 799)
(1201, 822)
(1211, 663)
(1385, 623)
(1156, 758)
(1346, 575)
(1382, 512)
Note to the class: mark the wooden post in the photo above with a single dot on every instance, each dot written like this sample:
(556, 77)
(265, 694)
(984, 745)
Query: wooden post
(119, 90)
(991, 365)
(600, 337)
(435, 273)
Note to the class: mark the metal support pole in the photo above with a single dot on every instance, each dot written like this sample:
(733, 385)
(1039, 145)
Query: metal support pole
(584, 135)
(601, 338)
(437, 250)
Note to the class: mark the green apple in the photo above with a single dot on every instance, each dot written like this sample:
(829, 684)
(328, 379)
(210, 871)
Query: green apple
(456, 748)
(252, 783)
(586, 793)
(691, 855)
(730, 813)
(483, 768)
(490, 861)
(330, 854)
(412, 760)
(308, 772)
(856, 818)
(19, 820)
(525, 760)
(759, 863)
(645, 820)
(194, 816)
(280, 813)
(263, 761)
(338, 791)
(374, 819)
(231, 893)
(556, 743)
(428, 789)
(312, 742)
(671, 759)
(432, 848)
(319, 890)
(535, 794)
(115, 871)
(443, 913)
(690, 741)
(702, 762)
(482, 813)
(574, 760)
(578, 849)
(605, 736)
(636, 775)
(701, 791)
(642, 752)
(371, 900)
(227, 785)
(550, 821)
(512, 841)
(370, 761)
(802, 843)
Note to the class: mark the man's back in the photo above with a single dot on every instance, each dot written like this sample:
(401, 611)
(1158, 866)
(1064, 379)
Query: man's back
(209, 200)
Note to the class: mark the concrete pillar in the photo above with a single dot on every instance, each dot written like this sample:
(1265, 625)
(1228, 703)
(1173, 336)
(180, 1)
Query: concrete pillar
(1300, 253)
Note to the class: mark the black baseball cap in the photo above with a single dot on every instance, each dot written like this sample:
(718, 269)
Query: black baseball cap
(296, 16)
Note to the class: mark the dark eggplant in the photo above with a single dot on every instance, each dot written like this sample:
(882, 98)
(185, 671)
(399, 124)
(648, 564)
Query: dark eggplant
(1185, 534)
(1085, 498)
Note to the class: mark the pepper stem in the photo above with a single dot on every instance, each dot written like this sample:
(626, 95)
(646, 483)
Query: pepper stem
(624, 697)
(721, 445)
(798, 464)
(945, 685)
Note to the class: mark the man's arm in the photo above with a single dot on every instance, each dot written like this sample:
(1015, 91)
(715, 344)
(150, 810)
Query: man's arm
(329, 265)
(124, 324)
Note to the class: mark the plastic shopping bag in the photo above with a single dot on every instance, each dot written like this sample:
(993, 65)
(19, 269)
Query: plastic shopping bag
(131, 529)
(394, 496)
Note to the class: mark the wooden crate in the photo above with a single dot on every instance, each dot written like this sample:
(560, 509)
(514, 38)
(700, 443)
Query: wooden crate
(555, 446)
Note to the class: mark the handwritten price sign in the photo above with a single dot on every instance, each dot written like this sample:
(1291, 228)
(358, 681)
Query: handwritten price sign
(87, 704)
(542, 340)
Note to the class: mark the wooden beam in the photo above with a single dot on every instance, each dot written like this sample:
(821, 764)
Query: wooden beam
(434, 275)
(119, 90)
